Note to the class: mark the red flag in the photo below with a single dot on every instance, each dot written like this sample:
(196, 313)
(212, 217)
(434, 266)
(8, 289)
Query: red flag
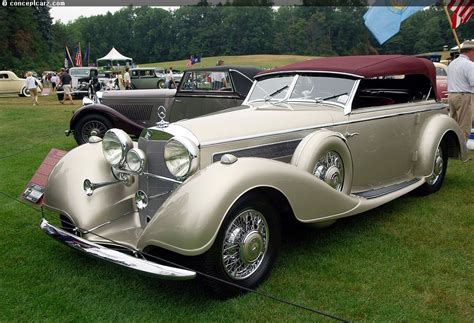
(462, 11)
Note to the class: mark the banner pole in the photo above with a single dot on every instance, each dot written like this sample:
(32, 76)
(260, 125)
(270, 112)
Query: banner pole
(451, 25)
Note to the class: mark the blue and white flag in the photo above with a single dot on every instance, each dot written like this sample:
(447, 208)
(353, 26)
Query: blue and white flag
(384, 17)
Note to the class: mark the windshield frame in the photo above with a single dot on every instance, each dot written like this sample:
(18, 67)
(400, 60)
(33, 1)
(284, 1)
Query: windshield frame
(345, 106)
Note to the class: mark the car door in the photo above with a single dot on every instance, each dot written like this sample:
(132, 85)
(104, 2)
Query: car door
(196, 96)
(5, 83)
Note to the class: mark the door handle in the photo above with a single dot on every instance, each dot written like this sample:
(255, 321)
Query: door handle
(349, 135)
(176, 100)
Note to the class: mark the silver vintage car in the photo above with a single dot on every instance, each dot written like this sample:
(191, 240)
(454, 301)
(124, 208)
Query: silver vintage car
(320, 140)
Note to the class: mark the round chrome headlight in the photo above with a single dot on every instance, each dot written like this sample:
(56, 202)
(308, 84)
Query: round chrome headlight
(181, 157)
(136, 160)
(115, 145)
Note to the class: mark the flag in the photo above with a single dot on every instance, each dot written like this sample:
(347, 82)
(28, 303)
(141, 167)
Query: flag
(87, 55)
(67, 59)
(462, 11)
(78, 56)
(384, 17)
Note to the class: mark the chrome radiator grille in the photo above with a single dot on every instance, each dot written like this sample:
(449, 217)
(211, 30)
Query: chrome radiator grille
(155, 164)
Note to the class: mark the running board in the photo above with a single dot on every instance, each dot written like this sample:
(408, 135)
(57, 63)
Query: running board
(371, 194)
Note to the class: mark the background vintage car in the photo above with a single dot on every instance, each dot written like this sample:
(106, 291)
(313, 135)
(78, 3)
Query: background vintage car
(134, 110)
(442, 79)
(10, 83)
(151, 77)
(315, 141)
(84, 82)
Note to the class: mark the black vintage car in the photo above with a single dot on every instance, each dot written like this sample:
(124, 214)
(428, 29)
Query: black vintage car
(84, 82)
(201, 91)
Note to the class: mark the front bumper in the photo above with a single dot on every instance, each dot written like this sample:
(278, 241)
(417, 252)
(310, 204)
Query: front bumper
(114, 256)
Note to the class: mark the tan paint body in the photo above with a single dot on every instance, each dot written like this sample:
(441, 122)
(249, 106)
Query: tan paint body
(393, 144)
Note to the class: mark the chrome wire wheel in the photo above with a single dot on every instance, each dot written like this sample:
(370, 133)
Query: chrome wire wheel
(330, 169)
(438, 167)
(245, 244)
(93, 128)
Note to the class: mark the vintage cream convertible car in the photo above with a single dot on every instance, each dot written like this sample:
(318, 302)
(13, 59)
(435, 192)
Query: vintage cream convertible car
(318, 140)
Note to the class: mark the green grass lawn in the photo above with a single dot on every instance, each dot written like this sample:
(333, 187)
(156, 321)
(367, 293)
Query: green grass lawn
(409, 260)
(264, 61)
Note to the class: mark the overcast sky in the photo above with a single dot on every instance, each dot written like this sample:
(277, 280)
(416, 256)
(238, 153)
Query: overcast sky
(68, 14)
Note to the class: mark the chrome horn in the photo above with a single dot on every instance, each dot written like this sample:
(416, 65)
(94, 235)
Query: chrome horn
(90, 187)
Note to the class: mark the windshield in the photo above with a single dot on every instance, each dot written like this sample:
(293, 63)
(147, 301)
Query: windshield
(311, 88)
(79, 72)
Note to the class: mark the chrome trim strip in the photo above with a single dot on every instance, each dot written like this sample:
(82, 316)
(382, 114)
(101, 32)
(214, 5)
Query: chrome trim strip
(267, 134)
(282, 147)
(166, 179)
(114, 256)
(308, 72)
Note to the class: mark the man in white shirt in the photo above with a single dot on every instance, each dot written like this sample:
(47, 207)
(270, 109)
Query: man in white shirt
(127, 80)
(461, 87)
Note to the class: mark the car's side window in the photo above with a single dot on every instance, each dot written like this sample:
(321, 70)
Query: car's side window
(392, 90)
(208, 81)
(134, 74)
(3, 76)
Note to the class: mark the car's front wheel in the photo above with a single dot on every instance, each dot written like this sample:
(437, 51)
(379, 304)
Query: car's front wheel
(436, 179)
(160, 84)
(245, 247)
(91, 125)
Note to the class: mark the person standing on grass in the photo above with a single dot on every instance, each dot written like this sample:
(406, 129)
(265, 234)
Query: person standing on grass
(170, 82)
(127, 80)
(32, 86)
(65, 80)
(461, 87)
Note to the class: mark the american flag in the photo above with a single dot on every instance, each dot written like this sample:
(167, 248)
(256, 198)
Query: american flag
(79, 56)
(462, 11)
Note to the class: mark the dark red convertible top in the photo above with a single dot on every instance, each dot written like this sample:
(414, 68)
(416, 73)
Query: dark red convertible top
(366, 66)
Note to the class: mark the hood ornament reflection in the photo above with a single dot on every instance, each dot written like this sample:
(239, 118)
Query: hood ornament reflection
(162, 115)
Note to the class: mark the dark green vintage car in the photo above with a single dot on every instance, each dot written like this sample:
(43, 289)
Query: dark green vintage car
(201, 91)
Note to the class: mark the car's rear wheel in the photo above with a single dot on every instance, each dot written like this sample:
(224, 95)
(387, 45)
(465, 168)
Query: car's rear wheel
(91, 125)
(436, 179)
(245, 247)
(24, 92)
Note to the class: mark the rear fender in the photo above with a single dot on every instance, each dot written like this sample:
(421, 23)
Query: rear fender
(435, 129)
(189, 220)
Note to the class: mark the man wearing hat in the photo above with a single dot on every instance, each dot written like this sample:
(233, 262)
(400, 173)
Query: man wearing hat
(461, 87)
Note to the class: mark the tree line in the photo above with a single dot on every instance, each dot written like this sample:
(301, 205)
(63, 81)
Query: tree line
(31, 41)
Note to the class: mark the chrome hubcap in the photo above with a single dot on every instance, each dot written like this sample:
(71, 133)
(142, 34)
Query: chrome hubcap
(330, 169)
(245, 244)
(438, 167)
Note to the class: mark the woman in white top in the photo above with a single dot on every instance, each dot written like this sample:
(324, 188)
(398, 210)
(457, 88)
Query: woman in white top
(31, 85)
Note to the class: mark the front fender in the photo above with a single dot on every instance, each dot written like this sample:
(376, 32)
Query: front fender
(189, 220)
(64, 189)
(432, 132)
(118, 120)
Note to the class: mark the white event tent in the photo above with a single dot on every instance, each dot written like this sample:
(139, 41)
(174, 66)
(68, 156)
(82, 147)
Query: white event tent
(115, 59)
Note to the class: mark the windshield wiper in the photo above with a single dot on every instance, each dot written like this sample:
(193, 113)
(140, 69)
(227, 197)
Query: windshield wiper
(319, 100)
(268, 97)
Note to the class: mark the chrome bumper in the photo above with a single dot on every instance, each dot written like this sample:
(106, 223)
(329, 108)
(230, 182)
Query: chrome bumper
(114, 256)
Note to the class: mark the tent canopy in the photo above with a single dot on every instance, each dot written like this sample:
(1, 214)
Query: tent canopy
(114, 55)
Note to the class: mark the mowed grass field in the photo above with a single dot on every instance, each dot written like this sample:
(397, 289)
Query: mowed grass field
(264, 61)
(409, 260)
